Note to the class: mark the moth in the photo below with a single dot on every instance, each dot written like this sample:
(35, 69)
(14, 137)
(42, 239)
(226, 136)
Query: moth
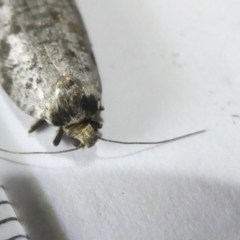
(48, 69)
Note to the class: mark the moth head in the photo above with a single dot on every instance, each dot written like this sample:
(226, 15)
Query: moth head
(84, 133)
(74, 111)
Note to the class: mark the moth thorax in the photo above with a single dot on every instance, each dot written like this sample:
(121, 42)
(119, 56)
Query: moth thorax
(85, 133)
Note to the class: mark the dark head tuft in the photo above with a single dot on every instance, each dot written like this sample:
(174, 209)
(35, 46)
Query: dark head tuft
(89, 104)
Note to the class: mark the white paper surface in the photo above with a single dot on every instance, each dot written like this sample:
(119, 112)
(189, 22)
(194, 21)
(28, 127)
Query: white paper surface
(168, 68)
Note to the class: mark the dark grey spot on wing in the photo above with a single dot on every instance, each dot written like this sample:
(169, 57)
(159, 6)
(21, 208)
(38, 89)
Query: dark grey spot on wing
(15, 28)
(55, 15)
(7, 81)
(38, 80)
(28, 85)
(71, 53)
(4, 50)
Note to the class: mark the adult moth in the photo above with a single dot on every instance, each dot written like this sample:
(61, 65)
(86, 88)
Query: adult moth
(48, 69)
(47, 66)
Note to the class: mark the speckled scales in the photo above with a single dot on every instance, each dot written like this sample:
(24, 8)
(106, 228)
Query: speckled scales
(42, 41)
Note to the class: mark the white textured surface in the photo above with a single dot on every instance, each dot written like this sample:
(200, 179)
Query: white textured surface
(168, 68)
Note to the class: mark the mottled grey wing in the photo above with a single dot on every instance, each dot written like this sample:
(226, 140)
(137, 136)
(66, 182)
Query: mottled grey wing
(40, 42)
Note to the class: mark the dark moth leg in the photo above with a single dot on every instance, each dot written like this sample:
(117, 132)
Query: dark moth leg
(36, 125)
(58, 137)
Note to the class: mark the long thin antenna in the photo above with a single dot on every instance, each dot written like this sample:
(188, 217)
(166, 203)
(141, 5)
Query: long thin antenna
(32, 153)
(158, 142)
(106, 140)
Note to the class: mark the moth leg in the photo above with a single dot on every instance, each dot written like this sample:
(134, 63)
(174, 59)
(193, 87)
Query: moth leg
(36, 125)
(58, 137)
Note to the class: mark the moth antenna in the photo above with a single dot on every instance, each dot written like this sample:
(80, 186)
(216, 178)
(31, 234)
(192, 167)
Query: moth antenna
(157, 142)
(106, 140)
(31, 153)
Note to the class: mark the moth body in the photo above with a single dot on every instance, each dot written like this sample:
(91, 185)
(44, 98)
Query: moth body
(47, 65)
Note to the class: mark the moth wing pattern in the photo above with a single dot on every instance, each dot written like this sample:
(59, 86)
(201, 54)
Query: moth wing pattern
(44, 47)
